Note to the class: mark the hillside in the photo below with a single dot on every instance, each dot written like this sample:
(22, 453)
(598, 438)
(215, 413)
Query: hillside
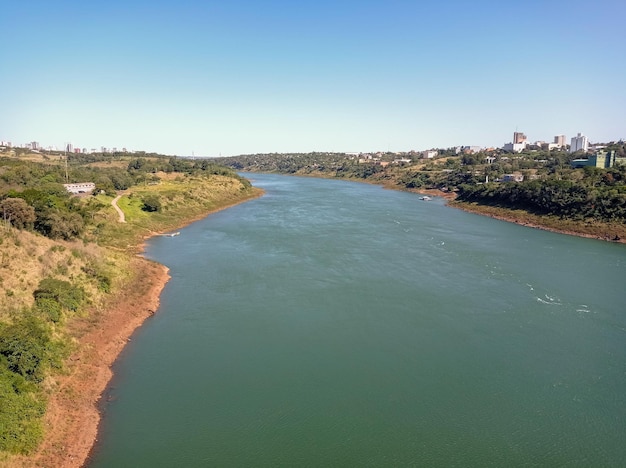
(73, 289)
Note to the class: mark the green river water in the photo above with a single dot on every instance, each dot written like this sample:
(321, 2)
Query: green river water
(331, 323)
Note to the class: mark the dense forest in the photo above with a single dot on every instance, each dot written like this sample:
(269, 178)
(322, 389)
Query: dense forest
(61, 255)
(595, 193)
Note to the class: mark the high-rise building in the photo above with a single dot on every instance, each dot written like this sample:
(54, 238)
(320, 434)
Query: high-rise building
(579, 143)
(519, 137)
(519, 143)
(559, 140)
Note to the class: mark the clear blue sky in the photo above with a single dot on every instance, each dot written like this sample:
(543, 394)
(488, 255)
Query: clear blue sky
(233, 77)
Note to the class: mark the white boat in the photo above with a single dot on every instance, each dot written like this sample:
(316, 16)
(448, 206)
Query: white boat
(426, 198)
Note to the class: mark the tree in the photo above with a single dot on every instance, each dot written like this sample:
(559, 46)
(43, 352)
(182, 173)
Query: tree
(61, 224)
(151, 203)
(24, 345)
(121, 181)
(17, 212)
(136, 164)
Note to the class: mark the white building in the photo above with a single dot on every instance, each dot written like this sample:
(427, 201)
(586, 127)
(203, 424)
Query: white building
(579, 143)
(515, 147)
(83, 187)
(429, 154)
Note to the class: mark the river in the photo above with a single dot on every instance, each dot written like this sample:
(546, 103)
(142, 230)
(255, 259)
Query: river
(332, 323)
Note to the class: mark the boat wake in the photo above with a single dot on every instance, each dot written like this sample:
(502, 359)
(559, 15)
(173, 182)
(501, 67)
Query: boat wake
(555, 301)
(549, 300)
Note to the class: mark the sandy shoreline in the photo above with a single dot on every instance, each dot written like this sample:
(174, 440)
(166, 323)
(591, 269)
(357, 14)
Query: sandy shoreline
(72, 418)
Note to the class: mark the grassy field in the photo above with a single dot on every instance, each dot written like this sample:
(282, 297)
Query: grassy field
(182, 199)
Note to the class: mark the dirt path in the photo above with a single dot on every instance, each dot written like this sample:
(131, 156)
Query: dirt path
(117, 208)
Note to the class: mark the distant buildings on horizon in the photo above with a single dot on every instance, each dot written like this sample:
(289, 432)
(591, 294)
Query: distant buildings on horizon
(69, 148)
(520, 143)
(578, 143)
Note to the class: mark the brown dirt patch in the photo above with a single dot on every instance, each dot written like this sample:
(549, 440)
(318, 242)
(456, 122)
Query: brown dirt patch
(438, 193)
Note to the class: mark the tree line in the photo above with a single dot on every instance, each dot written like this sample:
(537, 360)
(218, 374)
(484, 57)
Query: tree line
(599, 194)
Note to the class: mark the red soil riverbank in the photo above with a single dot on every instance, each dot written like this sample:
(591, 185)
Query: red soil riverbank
(72, 417)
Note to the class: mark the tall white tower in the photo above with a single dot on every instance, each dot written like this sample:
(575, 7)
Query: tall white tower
(579, 142)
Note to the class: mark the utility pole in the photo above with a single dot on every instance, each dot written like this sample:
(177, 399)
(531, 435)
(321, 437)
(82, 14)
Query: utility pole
(67, 177)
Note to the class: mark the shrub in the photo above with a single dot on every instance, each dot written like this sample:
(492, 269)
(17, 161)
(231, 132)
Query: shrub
(68, 296)
(103, 278)
(20, 412)
(49, 307)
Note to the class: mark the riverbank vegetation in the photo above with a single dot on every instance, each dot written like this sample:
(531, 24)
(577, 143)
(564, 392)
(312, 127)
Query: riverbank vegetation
(63, 257)
(538, 188)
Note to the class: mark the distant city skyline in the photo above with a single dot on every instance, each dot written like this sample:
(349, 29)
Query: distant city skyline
(520, 142)
(229, 78)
